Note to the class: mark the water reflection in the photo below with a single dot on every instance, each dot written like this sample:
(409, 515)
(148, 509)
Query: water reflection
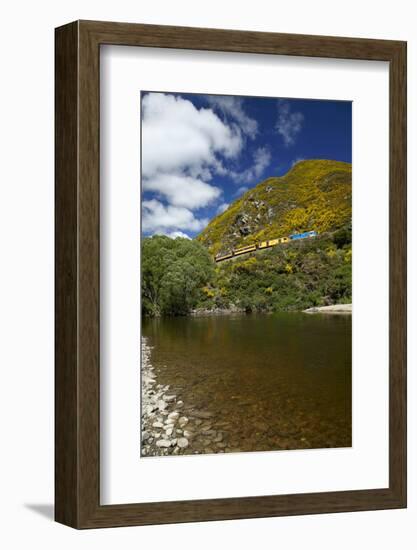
(271, 381)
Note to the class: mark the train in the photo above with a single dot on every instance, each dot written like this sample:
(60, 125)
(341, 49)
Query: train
(265, 244)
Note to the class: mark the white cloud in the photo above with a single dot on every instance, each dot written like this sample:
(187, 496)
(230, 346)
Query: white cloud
(289, 124)
(222, 207)
(261, 159)
(296, 161)
(158, 218)
(182, 190)
(232, 107)
(179, 138)
(176, 234)
(183, 148)
(241, 190)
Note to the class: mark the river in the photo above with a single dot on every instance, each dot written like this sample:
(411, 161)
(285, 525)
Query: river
(267, 382)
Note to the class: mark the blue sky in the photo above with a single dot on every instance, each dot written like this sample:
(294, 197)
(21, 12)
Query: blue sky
(201, 152)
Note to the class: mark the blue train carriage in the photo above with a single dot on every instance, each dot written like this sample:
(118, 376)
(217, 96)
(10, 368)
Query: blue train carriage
(305, 235)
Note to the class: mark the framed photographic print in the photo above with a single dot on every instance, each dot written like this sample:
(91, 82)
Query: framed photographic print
(230, 274)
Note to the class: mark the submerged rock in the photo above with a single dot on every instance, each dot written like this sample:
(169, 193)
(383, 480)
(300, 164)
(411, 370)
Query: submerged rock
(182, 442)
(203, 414)
(183, 421)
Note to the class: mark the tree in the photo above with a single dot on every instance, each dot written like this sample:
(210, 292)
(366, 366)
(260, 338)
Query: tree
(174, 273)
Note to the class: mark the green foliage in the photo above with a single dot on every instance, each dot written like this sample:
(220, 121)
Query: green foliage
(343, 236)
(174, 275)
(292, 276)
(179, 275)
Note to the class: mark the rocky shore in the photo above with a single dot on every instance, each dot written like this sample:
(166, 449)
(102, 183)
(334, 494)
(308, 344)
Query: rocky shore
(337, 308)
(217, 311)
(170, 426)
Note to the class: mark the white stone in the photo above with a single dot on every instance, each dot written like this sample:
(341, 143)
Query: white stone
(163, 443)
(169, 398)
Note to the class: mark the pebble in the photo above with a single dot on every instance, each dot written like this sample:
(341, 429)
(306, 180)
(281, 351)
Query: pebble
(163, 443)
(163, 427)
(203, 414)
(182, 442)
(170, 422)
(183, 421)
(169, 398)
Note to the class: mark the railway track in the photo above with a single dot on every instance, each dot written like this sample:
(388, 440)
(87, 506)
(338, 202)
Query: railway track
(262, 245)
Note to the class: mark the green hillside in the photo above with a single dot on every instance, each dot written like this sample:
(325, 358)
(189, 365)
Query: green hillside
(313, 195)
(181, 275)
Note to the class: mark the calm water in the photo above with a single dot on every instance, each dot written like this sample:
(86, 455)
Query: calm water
(270, 381)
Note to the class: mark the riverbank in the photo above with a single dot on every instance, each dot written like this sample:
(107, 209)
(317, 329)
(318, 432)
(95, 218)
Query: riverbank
(169, 426)
(335, 309)
(217, 311)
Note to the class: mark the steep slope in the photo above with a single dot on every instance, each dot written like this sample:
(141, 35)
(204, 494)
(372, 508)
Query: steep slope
(313, 195)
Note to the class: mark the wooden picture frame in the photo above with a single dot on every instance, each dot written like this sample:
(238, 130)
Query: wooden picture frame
(77, 403)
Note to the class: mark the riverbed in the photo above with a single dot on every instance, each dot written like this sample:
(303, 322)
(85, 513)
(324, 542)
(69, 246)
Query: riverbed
(246, 383)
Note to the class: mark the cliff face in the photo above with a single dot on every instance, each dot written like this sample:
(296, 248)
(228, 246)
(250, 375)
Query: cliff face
(313, 195)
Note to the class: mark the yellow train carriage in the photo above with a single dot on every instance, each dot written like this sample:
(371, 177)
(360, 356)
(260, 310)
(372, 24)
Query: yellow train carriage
(264, 244)
(220, 258)
(273, 242)
(244, 249)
